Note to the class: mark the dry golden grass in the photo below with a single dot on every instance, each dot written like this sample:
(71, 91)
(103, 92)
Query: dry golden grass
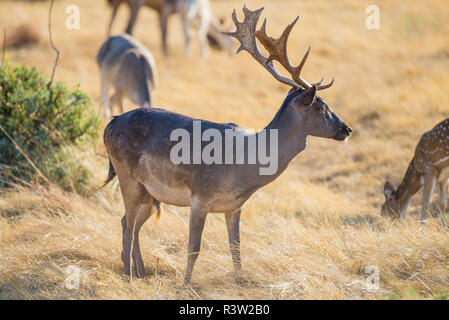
(311, 233)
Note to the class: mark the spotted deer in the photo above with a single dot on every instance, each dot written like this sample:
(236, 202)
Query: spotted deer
(139, 147)
(128, 67)
(428, 168)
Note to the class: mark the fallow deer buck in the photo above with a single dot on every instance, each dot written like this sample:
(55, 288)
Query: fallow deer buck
(429, 167)
(129, 68)
(191, 12)
(139, 146)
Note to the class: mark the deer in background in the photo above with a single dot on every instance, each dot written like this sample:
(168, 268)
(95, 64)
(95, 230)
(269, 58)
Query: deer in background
(429, 168)
(139, 148)
(129, 68)
(190, 11)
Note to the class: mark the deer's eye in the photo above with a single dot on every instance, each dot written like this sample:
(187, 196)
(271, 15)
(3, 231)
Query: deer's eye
(322, 110)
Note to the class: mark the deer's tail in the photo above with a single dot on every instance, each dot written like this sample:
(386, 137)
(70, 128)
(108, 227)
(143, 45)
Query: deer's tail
(111, 174)
(148, 64)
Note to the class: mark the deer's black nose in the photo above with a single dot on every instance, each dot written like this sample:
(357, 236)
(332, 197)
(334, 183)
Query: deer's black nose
(346, 130)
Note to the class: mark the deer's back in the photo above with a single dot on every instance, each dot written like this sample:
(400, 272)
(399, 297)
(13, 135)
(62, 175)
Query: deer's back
(433, 148)
(129, 66)
(148, 130)
(115, 46)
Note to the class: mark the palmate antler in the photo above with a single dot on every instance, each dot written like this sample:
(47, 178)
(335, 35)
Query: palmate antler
(277, 48)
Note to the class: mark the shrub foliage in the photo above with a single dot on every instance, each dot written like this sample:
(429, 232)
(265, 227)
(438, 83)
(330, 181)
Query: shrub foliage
(40, 122)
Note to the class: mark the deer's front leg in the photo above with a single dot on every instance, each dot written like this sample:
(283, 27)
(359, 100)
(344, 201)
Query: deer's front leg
(163, 24)
(114, 13)
(233, 225)
(196, 225)
(105, 96)
(442, 197)
(145, 212)
(429, 185)
(134, 8)
(186, 29)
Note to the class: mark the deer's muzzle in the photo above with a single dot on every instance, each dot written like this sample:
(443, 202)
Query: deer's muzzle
(344, 132)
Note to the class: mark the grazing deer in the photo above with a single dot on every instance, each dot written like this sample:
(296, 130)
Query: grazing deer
(190, 11)
(429, 167)
(216, 39)
(139, 145)
(129, 67)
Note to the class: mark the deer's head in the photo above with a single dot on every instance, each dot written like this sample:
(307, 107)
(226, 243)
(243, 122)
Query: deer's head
(392, 206)
(312, 112)
(315, 116)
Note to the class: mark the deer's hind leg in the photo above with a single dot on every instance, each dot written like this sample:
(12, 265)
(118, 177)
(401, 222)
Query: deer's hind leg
(202, 38)
(117, 101)
(134, 196)
(203, 30)
(429, 186)
(442, 197)
(163, 24)
(186, 30)
(442, 194)
(145, 212)
(105, 96)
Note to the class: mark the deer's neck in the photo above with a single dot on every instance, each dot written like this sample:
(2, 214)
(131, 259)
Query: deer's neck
(410, 185)
(291, 140)
(292, 135)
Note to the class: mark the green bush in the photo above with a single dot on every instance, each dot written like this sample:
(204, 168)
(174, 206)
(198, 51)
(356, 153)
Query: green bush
(40, 122)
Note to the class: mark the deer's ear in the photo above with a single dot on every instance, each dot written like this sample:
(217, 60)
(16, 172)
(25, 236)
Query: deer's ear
(306, 98)
(388, 190)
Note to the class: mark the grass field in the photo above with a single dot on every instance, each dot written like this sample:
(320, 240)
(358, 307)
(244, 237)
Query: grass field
(308, 235)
